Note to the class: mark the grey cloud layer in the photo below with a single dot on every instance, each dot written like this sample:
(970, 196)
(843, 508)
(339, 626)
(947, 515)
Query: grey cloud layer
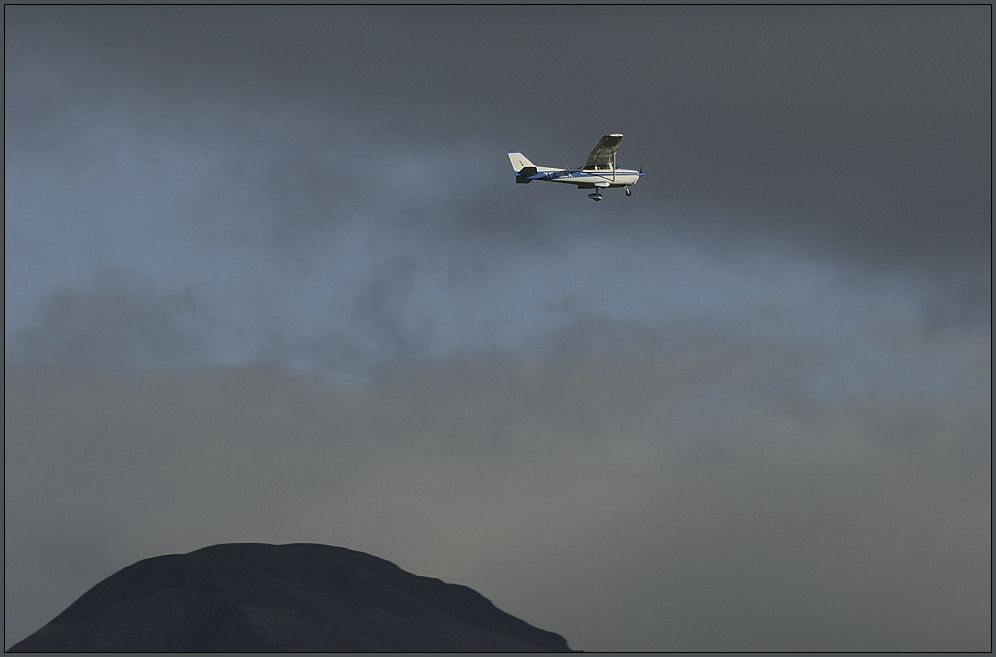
(113, 321)
(687, 492)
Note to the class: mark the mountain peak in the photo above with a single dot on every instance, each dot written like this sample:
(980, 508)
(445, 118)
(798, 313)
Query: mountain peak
(298, 597)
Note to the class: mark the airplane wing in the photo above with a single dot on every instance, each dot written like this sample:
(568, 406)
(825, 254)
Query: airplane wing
(604, 153)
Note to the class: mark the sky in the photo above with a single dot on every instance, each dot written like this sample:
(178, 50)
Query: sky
(268, 278)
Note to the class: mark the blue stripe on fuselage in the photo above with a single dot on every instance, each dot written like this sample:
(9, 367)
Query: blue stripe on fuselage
(553, 175)
(582, 175)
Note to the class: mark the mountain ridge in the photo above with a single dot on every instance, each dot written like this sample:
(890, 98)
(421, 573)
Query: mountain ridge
(253, 597)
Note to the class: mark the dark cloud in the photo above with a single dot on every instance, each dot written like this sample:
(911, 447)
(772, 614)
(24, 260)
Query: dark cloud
(857, 133)
(380, 311)
(116, 320)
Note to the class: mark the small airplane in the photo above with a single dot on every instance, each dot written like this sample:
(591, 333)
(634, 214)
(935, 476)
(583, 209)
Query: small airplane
(599, 172)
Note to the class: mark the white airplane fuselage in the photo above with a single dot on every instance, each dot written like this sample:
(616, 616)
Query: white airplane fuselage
(598, 173)
(585, 178)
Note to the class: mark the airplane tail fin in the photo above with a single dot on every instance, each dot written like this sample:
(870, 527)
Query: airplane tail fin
(520, 162)
(522, 166)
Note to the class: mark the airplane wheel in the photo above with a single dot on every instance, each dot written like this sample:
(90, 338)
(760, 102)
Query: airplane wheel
(629, 192)
(595, 197)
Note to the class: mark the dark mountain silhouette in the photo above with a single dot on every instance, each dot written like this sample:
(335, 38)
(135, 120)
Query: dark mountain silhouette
(253, 597)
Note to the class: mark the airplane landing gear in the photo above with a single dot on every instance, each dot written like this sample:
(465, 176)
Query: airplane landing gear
(595, 196)
(629, 192)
